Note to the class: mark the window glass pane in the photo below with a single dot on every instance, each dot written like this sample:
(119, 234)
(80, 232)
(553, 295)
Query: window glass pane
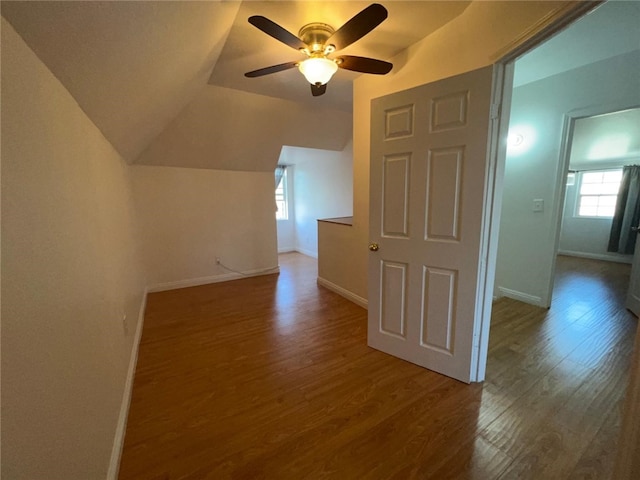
(614, 176)
(608, 200)
(598, 193)
(609, 189)
(589, 201)
(590, 189)
(282, 212)
(588, 211)
(606, 211)
(592, 177)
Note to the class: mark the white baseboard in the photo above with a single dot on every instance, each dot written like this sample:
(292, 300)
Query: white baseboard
(523, 297)
(224, 277)
(611, 257)
(343, 292)
(121, 427)
(286, 249)
(308, 253)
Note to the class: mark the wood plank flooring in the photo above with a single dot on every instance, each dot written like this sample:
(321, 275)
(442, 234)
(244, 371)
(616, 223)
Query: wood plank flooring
(270, 378)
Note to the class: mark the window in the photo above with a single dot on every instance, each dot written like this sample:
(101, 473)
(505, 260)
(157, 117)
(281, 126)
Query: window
(598, 193)
(282, 210)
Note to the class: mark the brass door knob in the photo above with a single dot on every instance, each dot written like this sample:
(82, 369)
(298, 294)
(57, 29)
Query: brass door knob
(373, 247)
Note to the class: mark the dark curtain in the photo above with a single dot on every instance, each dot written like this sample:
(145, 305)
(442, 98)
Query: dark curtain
(627, 214)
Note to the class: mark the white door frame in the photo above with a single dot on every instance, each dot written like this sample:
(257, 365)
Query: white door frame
(503, 88)
(501, 97)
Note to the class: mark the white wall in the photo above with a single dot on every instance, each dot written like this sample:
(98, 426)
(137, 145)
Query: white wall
(188, 217)
(585, 236)
(70, 271)
(527, 238)
(323, 188)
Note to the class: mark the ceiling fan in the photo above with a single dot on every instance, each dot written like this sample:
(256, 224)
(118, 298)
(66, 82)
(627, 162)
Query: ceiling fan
(319, 40)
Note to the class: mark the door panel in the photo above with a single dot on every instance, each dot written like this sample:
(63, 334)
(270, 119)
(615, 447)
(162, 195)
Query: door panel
(398, 122)
(444, 189)
(428, 167)
(438, 316)
(449, 111)
(395, 195)
(394, 295)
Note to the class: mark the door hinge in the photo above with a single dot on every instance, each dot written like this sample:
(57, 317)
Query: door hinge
(495, 110)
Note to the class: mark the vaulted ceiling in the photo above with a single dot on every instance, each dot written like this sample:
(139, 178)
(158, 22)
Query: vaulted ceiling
(131, 66)
(154, 76)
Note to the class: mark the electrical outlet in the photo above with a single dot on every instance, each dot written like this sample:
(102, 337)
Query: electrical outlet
(125, 325)
(217, 260)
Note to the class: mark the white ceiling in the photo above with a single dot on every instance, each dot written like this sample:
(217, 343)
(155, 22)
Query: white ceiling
(611, 29)
(248, 48)
(610, 138)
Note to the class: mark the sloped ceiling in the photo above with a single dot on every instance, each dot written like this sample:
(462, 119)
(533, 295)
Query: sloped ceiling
(131, 66)
(229, 129)
(137, 68)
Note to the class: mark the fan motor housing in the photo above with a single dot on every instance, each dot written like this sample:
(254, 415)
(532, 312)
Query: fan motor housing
(316, 35)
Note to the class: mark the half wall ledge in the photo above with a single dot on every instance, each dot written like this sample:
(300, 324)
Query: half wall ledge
(339, 220)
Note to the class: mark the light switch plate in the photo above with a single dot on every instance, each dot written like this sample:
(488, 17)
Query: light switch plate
(538, 205)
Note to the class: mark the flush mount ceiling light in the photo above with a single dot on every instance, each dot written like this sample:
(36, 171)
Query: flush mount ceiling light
(318, 40)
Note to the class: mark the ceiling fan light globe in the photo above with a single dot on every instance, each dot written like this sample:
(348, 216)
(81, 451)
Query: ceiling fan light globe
(318, 70)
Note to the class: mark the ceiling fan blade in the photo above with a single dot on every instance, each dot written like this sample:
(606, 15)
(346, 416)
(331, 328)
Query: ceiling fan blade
(358, 26)
(272, 69)
(277, 32)
(364, 64)
(317, 90)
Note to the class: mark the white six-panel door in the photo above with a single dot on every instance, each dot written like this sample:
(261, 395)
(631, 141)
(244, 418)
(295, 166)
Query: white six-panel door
(429, 151)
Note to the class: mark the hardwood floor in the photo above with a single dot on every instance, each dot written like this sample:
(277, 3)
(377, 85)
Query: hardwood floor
(270, 378)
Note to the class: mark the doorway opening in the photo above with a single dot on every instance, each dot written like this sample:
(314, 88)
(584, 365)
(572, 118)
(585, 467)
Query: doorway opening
(317, 184)
(553, 102)
(600, 143)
